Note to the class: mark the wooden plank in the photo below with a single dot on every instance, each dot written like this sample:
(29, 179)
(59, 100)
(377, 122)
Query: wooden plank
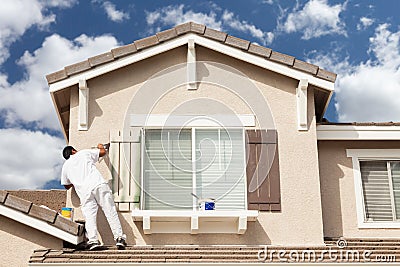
(114, 167)
(274, 176)
(262, 173)
(124, 172)
(252, 197)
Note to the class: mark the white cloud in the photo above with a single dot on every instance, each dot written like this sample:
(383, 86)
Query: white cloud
(233, 22)
(315, 19)
(364, 23)
(174, 15)
(16, 16)
(269, 2)
(114, 14)
(369, 91)
(29, 159)
(28, 100)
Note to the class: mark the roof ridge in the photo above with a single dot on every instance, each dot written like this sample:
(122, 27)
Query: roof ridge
(181, 29)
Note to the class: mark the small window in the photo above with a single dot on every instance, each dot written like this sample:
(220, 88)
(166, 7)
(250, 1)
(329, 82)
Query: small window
(207, 162)
(381, 190)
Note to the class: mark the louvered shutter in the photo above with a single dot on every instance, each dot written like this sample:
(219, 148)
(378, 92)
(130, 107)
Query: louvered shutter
(220, 166)
(124, 158)
(263, 181)
(376, 191)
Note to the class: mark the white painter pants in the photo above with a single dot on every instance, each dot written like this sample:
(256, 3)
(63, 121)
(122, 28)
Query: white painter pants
(101, 196)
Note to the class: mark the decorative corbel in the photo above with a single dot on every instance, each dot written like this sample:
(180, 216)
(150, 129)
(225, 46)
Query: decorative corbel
(301, 94)
(83, 106)
(191, 66)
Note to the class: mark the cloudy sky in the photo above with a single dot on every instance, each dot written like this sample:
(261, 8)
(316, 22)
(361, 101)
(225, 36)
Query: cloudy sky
(358, 39)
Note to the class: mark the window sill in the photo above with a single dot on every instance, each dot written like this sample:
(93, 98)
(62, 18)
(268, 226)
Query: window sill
(194, 222)
(379, 225)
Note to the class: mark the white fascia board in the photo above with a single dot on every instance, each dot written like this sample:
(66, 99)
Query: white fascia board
(351, 132)
(39, 225)
(183, 40)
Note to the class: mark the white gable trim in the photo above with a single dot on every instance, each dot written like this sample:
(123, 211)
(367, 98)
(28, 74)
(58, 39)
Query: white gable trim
(351, 132)
(183, 40)
(39, 225)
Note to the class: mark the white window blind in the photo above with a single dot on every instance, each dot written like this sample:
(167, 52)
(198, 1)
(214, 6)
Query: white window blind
(218, 170)
(381, 190)
(167, 169)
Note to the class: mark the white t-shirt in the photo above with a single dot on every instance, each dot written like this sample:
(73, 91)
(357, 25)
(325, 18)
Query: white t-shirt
(80, 170)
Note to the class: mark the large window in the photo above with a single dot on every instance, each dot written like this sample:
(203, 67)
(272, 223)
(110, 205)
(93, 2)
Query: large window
(207, 162)
(381, 190)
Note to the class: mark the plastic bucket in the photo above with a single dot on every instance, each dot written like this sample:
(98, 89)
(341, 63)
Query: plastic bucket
(67, 213)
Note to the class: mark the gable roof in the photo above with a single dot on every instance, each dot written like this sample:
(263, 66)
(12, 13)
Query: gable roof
(40, 218)
(61, 81)
(198, 29)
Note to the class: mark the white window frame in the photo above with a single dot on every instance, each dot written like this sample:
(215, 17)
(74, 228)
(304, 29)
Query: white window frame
(358, 155)
(193, 130)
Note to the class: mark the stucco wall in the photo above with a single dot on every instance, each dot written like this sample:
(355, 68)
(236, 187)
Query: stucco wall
(337, 189)
(299, 222)
(18, 241)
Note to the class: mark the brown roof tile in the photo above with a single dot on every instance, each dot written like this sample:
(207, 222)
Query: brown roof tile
(40, 252)
(260, 50)
(101, 59)
(182, 28)
(282, 58)
(43, 213)
(304, 66)
(215, 35)
(56, 76)
(124, 50)
(237, 42)
(146, 42)
(3, 195)
(67, 225)
(77, 67)
(197, 29)
(326, 75)
(18, 203)
(166, 35)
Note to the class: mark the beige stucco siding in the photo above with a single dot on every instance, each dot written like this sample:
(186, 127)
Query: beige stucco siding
(338, 192)
(300, 221)
(18, 241)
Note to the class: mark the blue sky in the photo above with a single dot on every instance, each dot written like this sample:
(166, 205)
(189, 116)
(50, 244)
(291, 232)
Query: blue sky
(358, 39)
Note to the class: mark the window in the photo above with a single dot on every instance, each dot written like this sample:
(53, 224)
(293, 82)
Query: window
(377, 187)
(207, 162)
(381, 190)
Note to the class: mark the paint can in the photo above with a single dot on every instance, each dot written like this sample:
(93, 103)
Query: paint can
(207, 204)
(67, 213)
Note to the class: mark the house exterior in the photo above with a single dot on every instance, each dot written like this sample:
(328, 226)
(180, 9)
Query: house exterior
(190, 97)
(195, 111)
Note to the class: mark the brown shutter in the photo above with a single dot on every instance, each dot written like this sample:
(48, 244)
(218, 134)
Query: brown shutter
(263, 184)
